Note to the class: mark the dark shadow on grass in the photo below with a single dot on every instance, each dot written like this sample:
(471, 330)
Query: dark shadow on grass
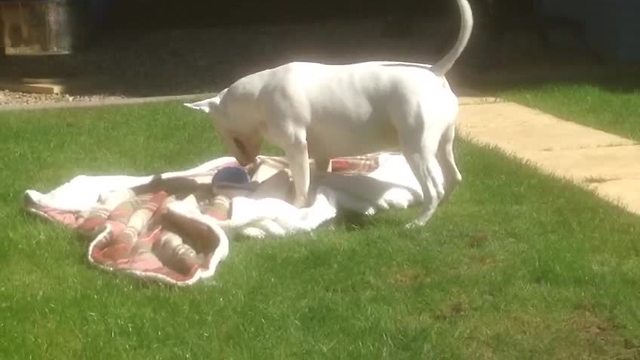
(349, 220)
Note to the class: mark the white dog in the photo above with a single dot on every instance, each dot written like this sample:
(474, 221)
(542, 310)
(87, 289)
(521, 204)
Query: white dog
(322, 111)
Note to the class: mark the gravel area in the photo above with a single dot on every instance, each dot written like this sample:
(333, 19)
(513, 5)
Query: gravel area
(15, 99)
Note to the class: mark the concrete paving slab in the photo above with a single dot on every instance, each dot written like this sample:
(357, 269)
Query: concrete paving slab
(589, 164)
(607, 164)
(515, 127)
(478, 100)
(625, 192)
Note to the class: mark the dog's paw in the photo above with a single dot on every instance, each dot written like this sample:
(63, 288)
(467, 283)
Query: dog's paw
(411, 225)
(414, 224)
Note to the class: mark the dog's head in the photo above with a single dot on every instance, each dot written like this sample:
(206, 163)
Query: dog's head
(245, 146)
(242, 143)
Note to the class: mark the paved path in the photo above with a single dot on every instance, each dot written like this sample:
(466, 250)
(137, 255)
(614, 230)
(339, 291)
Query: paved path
(607, 164)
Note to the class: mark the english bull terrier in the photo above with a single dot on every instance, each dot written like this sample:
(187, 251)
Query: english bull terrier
(320, 111)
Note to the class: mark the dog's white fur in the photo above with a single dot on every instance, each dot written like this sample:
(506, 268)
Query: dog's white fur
(322, 111)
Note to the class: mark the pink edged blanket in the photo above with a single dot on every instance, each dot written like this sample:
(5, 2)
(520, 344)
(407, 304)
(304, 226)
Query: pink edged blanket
(175, 227)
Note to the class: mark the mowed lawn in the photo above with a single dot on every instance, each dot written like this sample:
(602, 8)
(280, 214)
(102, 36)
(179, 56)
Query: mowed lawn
(517, 265)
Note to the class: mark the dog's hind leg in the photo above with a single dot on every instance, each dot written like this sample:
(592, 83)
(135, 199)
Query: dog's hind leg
(421, 156)
(429, 175)
(452, 176)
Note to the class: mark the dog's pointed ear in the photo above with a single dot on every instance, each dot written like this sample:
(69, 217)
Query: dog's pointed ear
(208, 105)
(204, 105)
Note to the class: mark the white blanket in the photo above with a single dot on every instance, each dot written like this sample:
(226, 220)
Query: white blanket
(390, 185)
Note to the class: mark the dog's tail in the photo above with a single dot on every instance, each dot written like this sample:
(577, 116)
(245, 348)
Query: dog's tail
(466, 25)
(444, 65)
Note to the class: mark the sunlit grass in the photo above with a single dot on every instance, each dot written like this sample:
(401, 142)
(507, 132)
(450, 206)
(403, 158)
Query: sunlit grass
(516, 265)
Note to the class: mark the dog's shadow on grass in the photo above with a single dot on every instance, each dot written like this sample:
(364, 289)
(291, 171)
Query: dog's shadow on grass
(366, 191)
(349, 220)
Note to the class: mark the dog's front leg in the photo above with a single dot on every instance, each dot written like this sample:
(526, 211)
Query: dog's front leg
(298, 156)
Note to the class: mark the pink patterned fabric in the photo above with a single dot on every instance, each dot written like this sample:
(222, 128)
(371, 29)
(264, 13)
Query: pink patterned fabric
(142, 237)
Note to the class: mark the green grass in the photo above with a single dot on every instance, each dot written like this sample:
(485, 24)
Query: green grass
(516, 265)
(602, 107)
